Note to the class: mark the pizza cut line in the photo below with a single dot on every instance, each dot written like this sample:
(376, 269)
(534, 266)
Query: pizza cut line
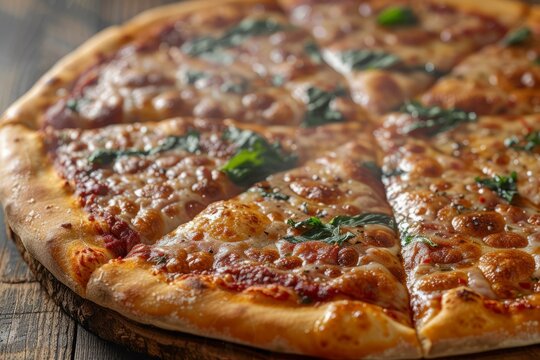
(357, 178)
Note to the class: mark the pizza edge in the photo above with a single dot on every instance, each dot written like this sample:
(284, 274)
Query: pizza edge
(337, 329)
(469, 323)
(26, 169)
(49, 221)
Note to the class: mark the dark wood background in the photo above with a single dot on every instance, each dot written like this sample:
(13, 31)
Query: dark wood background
(34, 34)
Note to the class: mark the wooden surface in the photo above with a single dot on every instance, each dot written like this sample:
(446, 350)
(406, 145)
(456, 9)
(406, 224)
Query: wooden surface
(34, 34)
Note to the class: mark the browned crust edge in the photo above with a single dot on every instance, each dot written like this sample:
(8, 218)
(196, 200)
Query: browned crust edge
(467, 324)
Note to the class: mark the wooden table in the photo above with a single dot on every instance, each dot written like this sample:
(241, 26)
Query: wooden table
(34, 34)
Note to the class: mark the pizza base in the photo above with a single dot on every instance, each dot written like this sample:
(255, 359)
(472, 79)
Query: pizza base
(339, 329)
(37, 207)
(464, 325)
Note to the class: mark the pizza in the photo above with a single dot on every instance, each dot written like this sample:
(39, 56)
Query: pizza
(340, 179)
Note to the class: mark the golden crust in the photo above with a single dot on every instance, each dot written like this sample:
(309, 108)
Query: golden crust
(468, 323)
(339, 329)
(38, 208)
(54, 229)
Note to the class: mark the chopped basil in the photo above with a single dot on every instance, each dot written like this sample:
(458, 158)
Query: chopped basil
(408, 239)
(364, 219)
(319, 109)
(528, 143)
(255, 158)
(373, 168)
(272, 194)
(192, 76)
(504, 186)
(517, 37)
(188, 142)
(433, 120)
(397, 15)
(313, 51)
(316, 230)
(368, 59)
(232, 37)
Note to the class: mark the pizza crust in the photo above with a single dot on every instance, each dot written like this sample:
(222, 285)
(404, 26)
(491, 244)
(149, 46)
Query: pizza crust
(39, 208)
(51, 224)
(339, 329)
(465, 325)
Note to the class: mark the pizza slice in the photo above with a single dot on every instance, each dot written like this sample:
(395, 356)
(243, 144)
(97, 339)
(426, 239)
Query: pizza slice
(305, 262)
(240, 60)
(500, 79)
(391, 51)
(468, 217)
(109, 189)
(493, 144)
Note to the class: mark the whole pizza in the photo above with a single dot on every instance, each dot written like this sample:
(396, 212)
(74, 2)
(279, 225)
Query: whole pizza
(342, 179)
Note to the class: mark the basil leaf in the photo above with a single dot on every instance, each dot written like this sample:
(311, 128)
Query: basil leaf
(188, 142)
(368, 59)
(272, 194)
(504, 186)
(397, 15)
(433, 120)
(364, 219)
(319, 109)
(255, 158)
(315, 229)
(517, 37)
(192, 76)
(528, 143)
(313, 51)
(234, 36)
(408, 239)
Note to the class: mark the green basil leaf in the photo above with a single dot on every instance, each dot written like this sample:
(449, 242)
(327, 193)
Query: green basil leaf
(397, 15)
(528, 143)
(408, 239)
(192, 76)
(316, 230)
(368, 59)
(433, 120)
(313, 51)
(517, 37)
(272, 194)
(255, 158)
(364, 219)
(188, 142)
(504, 186)
(234, 36)
(319, 109)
